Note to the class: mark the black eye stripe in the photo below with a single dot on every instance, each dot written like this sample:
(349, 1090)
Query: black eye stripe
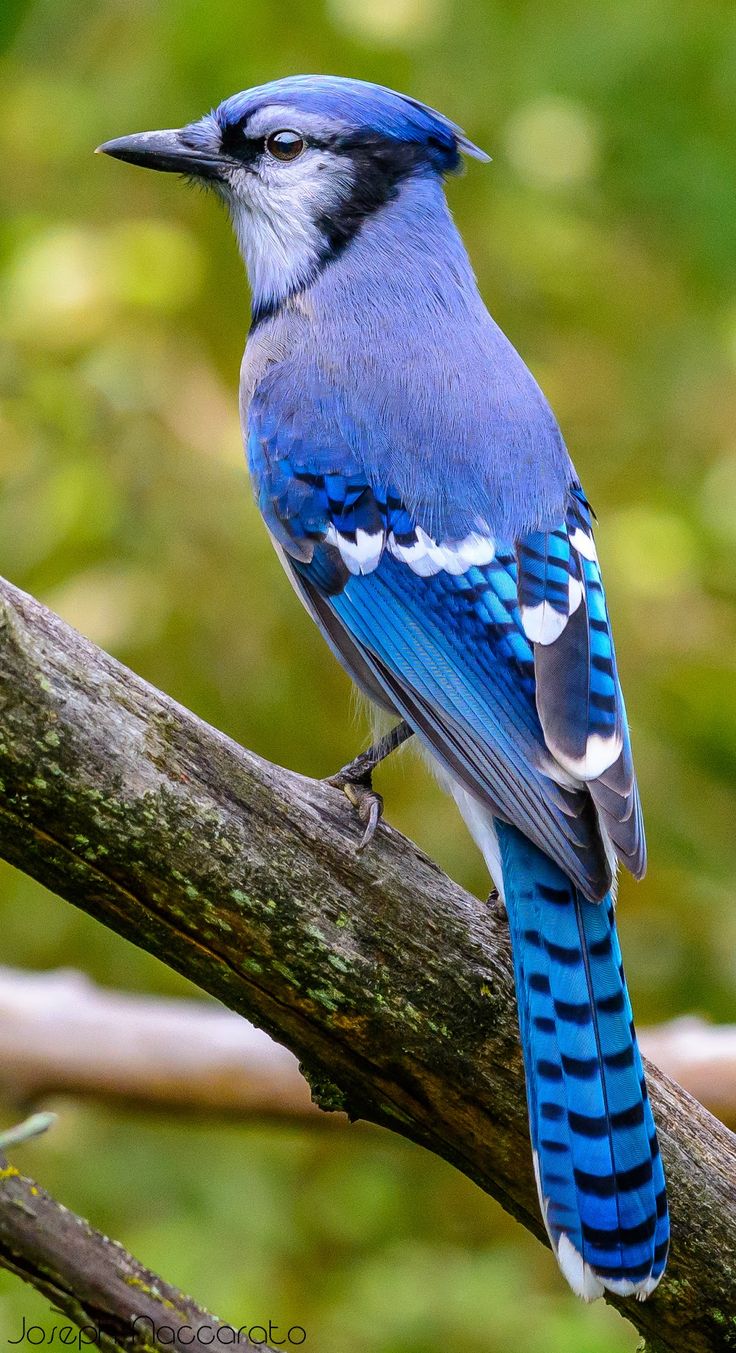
(396, 157)
(235, 143)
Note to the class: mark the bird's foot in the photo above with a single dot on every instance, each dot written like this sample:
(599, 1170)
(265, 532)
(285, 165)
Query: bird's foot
(496, 904)
(366, 802)
(356, 781)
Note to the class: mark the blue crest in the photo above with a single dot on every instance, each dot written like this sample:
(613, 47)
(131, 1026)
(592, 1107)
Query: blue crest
(362, 108)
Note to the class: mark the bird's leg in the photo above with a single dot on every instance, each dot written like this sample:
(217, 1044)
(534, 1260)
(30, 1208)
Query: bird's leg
(356, 779)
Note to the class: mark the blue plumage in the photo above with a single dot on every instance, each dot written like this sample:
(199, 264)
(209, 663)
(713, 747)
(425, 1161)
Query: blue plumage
(357, 106)
(598, 1166)
(421, 497)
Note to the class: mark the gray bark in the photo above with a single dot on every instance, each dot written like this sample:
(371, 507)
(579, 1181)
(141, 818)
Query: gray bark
(116, 1303)
(390, 983)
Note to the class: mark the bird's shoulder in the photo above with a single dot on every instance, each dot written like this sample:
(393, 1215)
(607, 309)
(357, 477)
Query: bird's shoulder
(453, 419)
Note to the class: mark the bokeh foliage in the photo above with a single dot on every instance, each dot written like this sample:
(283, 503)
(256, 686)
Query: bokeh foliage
(604, 239)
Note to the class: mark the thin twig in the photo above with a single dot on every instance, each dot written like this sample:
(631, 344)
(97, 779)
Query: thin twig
(93, 1283)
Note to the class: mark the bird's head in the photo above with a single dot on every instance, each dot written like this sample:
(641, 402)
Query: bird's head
(302, 163)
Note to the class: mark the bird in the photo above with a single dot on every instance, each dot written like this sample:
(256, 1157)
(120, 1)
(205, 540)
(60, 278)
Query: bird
(421, 498)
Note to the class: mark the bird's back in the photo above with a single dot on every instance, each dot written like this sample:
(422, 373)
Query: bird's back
(392, 364)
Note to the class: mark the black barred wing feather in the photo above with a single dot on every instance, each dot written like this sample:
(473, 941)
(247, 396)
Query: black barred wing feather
(578, 694)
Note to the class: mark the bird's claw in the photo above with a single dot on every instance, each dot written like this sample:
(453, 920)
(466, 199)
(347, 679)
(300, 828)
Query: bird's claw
(496, 904)
(369, 806)
(366, 802)
(356, 780)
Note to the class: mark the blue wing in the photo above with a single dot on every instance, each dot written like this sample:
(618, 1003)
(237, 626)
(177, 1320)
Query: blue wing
(578, 694)
(497, 652)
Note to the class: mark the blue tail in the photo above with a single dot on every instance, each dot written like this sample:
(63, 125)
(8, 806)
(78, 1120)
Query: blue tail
(599, 1172)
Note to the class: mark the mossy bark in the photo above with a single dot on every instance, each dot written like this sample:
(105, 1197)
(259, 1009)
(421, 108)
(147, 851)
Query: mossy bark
(391, 984)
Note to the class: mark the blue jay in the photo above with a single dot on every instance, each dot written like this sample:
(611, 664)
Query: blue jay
(423, 503)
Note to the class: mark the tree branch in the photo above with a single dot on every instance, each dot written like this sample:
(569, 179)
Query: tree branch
(388, 981)
(61, 1034)
(117, 1304)
(700, 1056)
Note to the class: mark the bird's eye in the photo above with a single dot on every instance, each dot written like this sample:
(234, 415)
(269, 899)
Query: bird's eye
(285, 145)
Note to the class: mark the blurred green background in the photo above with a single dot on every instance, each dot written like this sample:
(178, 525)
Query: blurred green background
(604, 236)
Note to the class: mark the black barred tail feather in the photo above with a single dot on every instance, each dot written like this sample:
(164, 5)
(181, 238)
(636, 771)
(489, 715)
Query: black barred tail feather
(599, 1172)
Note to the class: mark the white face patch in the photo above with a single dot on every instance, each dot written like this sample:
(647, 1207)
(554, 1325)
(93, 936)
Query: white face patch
(275, 207)
(276, 204)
